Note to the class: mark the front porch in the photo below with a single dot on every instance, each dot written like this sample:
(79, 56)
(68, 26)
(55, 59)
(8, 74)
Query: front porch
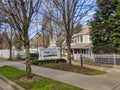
(81, 48)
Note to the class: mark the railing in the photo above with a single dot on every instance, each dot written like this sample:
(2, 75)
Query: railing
(100, 58)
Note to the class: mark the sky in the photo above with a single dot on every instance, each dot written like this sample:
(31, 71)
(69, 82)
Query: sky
(90, 14)
(37, 25)
(88, 17)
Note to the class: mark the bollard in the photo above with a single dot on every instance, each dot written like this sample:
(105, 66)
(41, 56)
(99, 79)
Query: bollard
(81, 60)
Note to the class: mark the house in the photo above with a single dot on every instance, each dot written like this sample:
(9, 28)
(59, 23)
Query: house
(81, 43)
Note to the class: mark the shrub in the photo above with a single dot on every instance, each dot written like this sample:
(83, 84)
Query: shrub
(34, 56)
(47, 61)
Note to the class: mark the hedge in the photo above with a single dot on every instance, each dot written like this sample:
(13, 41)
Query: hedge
(47, 61)
(34, 56)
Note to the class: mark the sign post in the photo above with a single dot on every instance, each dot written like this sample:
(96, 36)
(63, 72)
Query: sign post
(81, 60)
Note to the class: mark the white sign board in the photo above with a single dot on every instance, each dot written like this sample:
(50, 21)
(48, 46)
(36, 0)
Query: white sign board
(46, 53)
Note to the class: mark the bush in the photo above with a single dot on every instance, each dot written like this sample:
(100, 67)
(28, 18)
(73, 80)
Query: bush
(47, 61)
(34, 56)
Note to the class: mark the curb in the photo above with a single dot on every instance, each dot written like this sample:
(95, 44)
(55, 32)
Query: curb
(12, 84)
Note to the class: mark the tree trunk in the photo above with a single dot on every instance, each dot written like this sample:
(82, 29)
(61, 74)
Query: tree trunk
(10, 52)
(60, 50)
(69, 51)
(10, 41)
(28, 64)
(43, 38)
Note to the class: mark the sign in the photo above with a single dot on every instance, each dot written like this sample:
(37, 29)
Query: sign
(46, 53)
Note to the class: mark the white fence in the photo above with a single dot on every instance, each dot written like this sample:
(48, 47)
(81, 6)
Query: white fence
(15, 53)
(43, 53)
(100, 58)
(6, 53)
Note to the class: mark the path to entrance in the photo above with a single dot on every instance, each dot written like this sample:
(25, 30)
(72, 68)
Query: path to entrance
(83, 81)
(112, 73)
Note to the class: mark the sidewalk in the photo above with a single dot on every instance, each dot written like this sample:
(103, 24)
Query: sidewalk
(83, 81)
(107, 69)
(112, 73)
(5, 86)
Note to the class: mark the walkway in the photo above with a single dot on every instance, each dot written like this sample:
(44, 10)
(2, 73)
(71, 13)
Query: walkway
(79, 80)
(5, 86)
(112, 73)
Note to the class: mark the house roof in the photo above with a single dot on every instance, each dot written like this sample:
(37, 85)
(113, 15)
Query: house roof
(81, 45)
(83, 31)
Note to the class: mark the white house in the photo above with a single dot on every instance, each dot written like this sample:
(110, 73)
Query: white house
(81, 43)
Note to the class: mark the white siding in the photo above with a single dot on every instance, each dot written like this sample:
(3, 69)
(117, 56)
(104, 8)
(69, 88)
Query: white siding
(86, 39)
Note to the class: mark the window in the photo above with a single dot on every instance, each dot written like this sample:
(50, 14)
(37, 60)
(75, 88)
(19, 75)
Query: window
(78, 39)
(81, 38)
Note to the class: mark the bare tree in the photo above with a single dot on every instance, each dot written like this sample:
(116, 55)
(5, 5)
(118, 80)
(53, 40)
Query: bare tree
(20, 14)
(44, 27)
(8, 32)
(60, 39)
(71, 12)
(8, 35)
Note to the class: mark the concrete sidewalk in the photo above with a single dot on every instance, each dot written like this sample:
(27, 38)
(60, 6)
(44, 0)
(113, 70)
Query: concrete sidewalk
(107, 69)
(5, 86)
(112, 73)
(83, 81)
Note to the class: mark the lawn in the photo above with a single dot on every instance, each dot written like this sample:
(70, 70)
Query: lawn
(74, 68)
(41, 83)
(2, 58)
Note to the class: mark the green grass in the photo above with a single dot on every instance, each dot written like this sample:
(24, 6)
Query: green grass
(74, 68)
(42, 84)
(11, 72)
(47, 84)
(2, 58)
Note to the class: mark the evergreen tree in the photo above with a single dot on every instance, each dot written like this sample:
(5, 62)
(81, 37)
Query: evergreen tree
(116, 29)
(101, 30)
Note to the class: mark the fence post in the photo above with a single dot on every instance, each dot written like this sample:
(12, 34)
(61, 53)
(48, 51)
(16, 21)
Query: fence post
(114, 59)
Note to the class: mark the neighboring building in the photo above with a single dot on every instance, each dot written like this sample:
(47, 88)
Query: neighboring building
(81, 43)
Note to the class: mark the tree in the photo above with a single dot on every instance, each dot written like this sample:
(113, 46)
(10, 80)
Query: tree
(44, 29)
(2, 17)
(78, 28)
(115, 24)
(18, 43)
(2, 41)
(101, 27)
(20, 13)
(7, 31)
(71, 12)
(8, 36)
